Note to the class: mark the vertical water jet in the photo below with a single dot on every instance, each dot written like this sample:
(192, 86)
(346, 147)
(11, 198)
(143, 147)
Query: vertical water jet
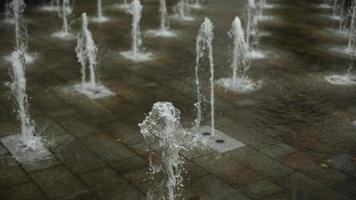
(136, 53)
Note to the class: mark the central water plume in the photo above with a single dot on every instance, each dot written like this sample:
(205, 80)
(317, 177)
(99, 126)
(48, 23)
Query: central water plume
(162, 126)
(164, 30)
(240, 62)
(136, 54)
(182, 11)
(204, 42)
(87, 56)
(64, 13)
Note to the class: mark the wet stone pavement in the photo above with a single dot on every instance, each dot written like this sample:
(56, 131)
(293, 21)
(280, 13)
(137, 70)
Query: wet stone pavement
(299, 143)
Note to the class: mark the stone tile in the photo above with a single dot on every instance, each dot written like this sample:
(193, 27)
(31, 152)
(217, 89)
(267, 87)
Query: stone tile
(2, 150)
(209, 187)
(260, 189)
(232, 172)
(77, 127)
(344, 163)
(128, 165)
(58, 183)
(123, 132)
(11, 173)
(141, 179)
(278, 150)
(106, 184)
(259, 162)
(8, 128)
(106, 147)
(78, 158)
(28, 191)
(303, 163)
(306, 188)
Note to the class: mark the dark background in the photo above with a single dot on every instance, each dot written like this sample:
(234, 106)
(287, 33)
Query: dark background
(28, 2)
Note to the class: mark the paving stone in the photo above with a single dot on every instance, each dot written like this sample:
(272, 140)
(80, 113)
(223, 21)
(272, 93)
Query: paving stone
(11, 173)
(123, 132)
(344, 163)
(303, 163)
(306, 188)
(258, 161)
(128, 165)
(209, 187)
(2, 150)
(78, 158)
(28, 191)
(106, 147)
(78, 127)
(108, 185)
(278, 150)
(260, 189)
(58, 183)
(232, 172)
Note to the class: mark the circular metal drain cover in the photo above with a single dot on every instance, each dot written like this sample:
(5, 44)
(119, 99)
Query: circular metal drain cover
(220, 141)
(206, 134)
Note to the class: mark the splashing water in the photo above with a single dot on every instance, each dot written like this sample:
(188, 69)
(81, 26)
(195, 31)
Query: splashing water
(52, 6)
(124, 6)
(87, 56)
(347, 79)
(182, 11)
(204, 41)
(164, 30)
(197, 4)
(136, 54)
(163, 125)
(64, 13)
(18, 87)
(240, 62)
(100, 18)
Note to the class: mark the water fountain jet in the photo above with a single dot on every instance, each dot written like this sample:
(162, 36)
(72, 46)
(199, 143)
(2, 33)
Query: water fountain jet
(17, 7)
(162, 126)
(53, 6)
(252, 33)
(204, 41)
(164, 30)
(197, 4)
(100, 18)
(26, 147)
(64, 13)
(124, 6)
(182, 11)
(239, 82)
(347, 79)
(86, 51)
(136, 53)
